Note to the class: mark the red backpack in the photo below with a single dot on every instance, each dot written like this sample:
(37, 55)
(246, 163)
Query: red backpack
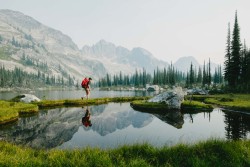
(85, 82)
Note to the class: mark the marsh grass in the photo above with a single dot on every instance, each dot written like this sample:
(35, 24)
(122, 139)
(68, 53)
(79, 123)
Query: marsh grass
(208, 153)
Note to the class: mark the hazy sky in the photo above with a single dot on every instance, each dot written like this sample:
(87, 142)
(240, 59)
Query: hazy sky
(169, 29)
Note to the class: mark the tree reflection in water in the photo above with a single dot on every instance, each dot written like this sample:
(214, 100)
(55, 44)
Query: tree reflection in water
(114, 122)
(237, 125)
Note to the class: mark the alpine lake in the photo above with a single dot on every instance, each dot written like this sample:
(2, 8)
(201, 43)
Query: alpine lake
(116, 124)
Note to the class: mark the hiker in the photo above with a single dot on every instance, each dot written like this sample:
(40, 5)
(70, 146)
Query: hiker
(86, 119)
(85, 86)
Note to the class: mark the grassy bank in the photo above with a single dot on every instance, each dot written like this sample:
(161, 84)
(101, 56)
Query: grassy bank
(195, 106)
(152, 107)
(10, 111)
(186, 106)
(228, 101)
(209, 153)
(80, 102)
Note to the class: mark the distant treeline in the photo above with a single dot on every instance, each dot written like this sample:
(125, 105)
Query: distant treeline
(140, 78)
(166, 76)
(20, 78)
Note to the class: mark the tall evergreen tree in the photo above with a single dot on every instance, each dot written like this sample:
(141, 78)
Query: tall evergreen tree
(244, 65)
(199, 76)
(248, 70)
(191, 73)
(227, 62)
(236, 55)
(204, 76)
(209, 73)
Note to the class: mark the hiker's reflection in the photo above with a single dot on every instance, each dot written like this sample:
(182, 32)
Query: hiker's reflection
(86, 119)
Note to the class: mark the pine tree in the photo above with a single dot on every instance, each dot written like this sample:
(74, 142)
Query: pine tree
(136, 78)
(187, 80)
(227, 62)
(209, 73)
(248, 70)
(204, 76)
(144, 80)
(244, 65)
(191, 73)
(199, 77)
(235, 66)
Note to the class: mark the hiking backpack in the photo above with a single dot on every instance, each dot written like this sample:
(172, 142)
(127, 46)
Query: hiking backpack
(85, 82)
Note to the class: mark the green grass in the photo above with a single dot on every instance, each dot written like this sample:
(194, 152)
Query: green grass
(228, 101)
(195, 106)
(231, 101)
(10, 111)
(186, 106)
(143, 105)
(209, 153)
(80, 102)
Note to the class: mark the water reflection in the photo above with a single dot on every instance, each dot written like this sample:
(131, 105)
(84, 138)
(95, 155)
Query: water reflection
(74, 94)
(237, 125)
(115, 117)
(174, 118)
(50, 128)
(86, 119)
(116, 124)
(45, 130)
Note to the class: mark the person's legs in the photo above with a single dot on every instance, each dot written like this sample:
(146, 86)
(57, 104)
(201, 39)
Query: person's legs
(87, 93)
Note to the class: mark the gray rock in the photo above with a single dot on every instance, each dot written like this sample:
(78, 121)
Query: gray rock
(26, 98)
(172, 98)
(152, 87)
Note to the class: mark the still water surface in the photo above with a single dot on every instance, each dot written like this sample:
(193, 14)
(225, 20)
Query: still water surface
(116, 124)
(74, 94)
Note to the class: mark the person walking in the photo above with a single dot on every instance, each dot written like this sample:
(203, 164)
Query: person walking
(85, 85)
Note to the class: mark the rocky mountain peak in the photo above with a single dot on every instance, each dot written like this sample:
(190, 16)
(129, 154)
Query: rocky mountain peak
(19, 19)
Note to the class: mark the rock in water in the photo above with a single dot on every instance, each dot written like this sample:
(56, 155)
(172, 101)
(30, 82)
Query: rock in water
(172, 98)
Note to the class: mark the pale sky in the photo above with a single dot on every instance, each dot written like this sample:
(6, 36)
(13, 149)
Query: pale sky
(169, 29)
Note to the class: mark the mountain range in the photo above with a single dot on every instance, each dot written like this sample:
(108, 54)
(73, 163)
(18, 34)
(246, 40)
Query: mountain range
(24, 39)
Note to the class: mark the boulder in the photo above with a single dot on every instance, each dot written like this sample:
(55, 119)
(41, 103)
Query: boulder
(152, 88)
(26, 98)
(173, 98)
